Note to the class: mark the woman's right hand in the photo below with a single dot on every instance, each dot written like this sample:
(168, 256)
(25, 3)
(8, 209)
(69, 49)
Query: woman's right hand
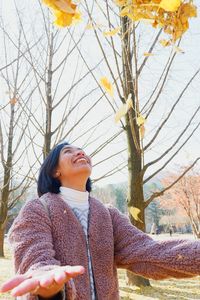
(41, 282)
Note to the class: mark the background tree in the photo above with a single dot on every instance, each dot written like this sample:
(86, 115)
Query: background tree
(144, 76)
(14, 181)
(185, 196)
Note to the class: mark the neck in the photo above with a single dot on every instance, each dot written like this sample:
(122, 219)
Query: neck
(75, 185)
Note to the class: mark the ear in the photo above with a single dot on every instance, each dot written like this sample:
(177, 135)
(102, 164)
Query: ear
(56, 174)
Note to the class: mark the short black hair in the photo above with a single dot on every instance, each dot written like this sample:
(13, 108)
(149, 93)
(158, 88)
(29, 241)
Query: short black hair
(47, 183)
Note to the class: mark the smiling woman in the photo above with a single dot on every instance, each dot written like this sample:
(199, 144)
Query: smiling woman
(68, 245)
(60, 163)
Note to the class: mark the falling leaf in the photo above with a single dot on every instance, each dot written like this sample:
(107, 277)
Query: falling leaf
(134, 211)
(121, 112)
(13, 101)
(165, 43)
(112, 32)
(178, 50)
(89, 26)
(124, 109)
(141, 120)
(170, 5)
(107, 86)
(148, 54)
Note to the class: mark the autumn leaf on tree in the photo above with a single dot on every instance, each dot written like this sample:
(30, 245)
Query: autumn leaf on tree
(173, 16)
(172, 5)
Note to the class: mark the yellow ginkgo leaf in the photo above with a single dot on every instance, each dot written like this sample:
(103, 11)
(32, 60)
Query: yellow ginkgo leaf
(121, 113)
(120, 2)
(134, 211)
(141, 120)
(124, 108)
(148, 54)
(89, 26)
(65, 6)
(178, 50)
(77, 18)
(170, 5)
(107, 85)
(165, 43)
(112, 32)
(62, 19)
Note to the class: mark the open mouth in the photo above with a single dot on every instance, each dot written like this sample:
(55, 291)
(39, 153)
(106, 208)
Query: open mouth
(81, 159)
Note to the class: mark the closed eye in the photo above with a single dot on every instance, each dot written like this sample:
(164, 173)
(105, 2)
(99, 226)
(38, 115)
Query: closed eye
(67, 150)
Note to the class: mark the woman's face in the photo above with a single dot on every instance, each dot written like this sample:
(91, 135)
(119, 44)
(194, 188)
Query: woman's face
(73, 161)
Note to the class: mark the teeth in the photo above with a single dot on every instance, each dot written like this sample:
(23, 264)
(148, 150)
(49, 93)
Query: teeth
(81, 159)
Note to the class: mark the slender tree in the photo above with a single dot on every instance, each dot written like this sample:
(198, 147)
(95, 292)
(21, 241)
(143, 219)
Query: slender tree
(13, 125)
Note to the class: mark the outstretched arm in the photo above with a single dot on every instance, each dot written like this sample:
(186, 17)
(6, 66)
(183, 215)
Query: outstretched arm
(38, 271)
(139, 253)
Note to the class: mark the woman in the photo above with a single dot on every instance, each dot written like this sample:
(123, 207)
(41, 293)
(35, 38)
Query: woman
(66, 240)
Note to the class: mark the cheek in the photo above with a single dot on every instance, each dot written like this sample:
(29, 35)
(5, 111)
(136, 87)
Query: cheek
(65, 163)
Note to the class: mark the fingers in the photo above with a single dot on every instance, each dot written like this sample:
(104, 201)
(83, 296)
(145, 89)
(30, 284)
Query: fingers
(12, 283)
(25, 287)
(73, 271)
(31, 283)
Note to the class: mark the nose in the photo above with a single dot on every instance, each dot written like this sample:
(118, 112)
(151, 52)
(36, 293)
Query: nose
(80, 152)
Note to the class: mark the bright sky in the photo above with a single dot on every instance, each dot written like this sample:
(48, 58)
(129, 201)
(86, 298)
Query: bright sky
(185, 66)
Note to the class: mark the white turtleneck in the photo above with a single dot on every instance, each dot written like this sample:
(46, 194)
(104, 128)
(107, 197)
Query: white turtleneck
(79, 203)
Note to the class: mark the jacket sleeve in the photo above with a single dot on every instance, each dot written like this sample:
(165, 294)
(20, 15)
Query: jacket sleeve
(139, 253)
(31, 241)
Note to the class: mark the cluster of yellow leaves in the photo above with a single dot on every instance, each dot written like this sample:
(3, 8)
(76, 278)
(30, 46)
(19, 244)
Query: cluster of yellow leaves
(171, 15)
(65, 12)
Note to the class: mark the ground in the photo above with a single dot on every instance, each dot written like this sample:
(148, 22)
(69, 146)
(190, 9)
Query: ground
(160, 290)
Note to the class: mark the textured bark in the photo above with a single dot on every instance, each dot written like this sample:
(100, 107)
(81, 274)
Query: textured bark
(48, 133)
(135, 196)
(6, 181)
(2, 230)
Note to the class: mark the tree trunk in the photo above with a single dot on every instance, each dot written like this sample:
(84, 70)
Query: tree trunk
(2, 230)
(135, 198)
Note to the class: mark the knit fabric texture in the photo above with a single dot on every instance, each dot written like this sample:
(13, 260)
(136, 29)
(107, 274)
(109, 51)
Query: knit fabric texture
(40, 240)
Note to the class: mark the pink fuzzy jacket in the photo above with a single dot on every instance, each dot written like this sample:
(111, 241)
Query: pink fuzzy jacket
(41, 239)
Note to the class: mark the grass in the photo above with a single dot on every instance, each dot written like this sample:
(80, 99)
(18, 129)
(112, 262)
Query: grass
(185, 289)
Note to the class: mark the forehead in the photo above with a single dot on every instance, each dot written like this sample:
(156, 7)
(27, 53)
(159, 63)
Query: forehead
(70, 147)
